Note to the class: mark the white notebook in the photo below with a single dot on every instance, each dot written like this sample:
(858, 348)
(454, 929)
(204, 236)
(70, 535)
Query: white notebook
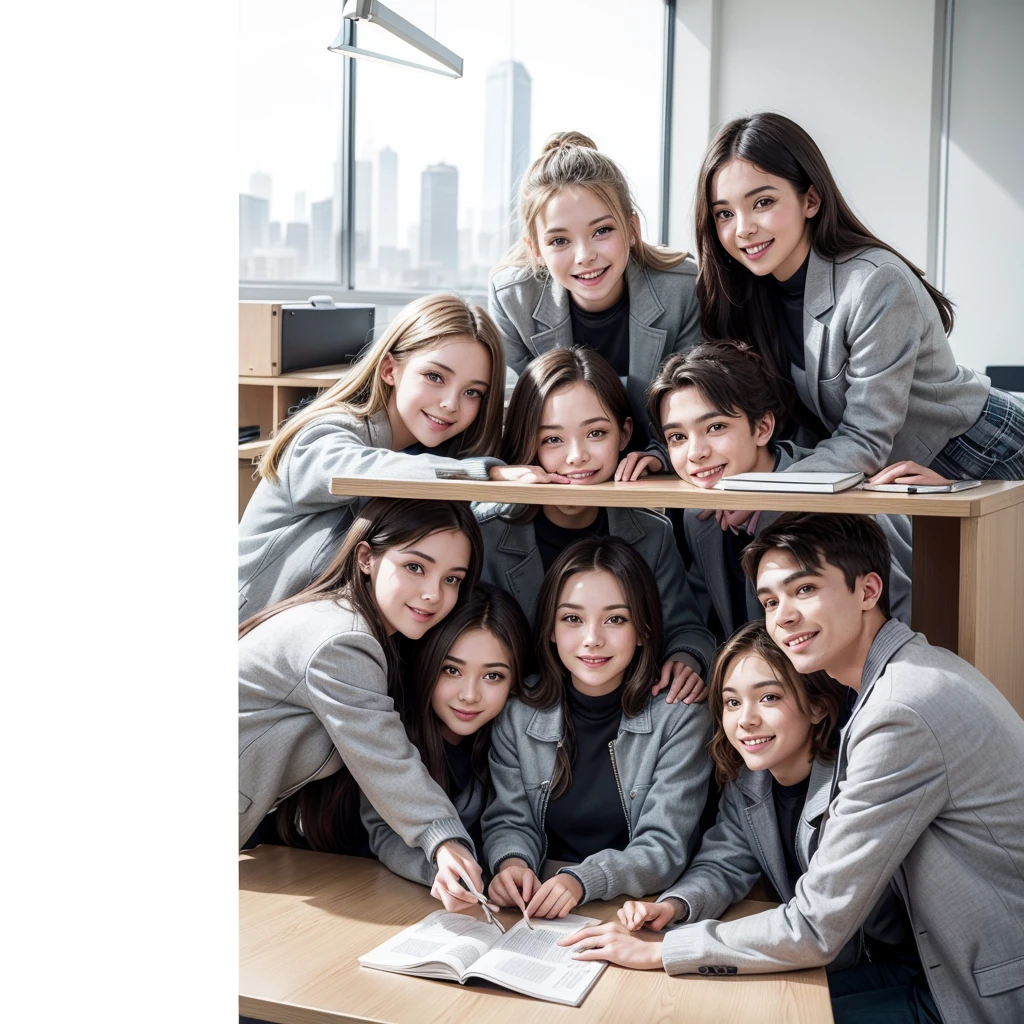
(801, 483)
(457, 947)
(956, 485)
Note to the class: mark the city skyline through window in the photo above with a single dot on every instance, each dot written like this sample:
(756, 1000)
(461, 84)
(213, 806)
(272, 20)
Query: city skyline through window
(436, 161)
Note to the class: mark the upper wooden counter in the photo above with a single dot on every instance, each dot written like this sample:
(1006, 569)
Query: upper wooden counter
(671, 492)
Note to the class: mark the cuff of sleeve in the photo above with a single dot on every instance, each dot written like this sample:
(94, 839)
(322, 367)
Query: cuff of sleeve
(696, 659)
(683, 914)
(593, 879)
(680, 950)
(442, 831)
(478, 469)
(585, 898)
(693, 900)
(525, 857)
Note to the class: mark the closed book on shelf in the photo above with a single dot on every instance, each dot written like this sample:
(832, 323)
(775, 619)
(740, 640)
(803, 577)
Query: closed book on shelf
(799, 483)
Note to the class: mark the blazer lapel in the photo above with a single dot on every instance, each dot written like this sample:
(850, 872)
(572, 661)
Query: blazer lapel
(815, 805)
(764, 828)
(552, 313)
(646, 343)
(526, 572)
(819, 298)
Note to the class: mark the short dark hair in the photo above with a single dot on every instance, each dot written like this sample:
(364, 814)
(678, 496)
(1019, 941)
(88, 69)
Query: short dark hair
(729, 375)
(855, 544)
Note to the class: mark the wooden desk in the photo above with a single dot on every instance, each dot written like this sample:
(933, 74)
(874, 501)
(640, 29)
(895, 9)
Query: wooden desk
(305, 918)
(968, 548)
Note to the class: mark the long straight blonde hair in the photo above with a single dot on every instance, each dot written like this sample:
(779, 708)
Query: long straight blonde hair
(362, 392)
(572, 160)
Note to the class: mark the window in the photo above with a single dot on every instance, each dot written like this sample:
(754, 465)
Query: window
(435, 161)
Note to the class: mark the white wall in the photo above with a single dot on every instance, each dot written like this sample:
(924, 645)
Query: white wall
(985, 210)
(857, 76)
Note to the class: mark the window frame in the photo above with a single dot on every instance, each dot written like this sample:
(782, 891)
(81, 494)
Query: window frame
(344, 289)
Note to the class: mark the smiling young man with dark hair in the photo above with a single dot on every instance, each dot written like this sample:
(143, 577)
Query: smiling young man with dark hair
(928, 791)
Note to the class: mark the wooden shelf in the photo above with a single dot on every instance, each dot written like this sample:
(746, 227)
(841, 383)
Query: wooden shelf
(671, 492)
(319, 377)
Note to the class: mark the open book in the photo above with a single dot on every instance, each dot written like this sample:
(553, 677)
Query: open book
(805, 483)
(457, 947)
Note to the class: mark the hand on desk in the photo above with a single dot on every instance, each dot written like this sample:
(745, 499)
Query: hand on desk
(635, 914)
(525, 475)
(636, 465)
(683, 684)
(616, 944)
(908, 472)
(455, 862)
(556, 897)
(514, 885)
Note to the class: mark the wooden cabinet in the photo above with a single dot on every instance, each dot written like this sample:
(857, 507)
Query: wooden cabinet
(265, 401)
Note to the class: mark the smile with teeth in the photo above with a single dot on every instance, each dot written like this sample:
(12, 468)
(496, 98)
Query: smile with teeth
(757, 741)
(753, 250)
(704, 474)
(420, 614)
(795, 641)
(441, 423)
(593, 660)
(582, 475)
(590, 275)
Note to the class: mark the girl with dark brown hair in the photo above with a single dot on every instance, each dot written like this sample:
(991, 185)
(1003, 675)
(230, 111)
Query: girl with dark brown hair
(786, 266)
(463, 673)
(596, 783)
(317, 678)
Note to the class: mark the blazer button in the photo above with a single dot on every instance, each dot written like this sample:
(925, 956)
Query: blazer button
(632, 794)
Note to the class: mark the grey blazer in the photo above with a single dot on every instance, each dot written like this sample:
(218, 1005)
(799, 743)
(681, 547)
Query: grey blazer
(708, 575)
(408, 861)
(745, 842)
(512, 562)
(928, 790)
(533, 316)
(878, 367)
(660, 758)
(312, 685)
(291, 530)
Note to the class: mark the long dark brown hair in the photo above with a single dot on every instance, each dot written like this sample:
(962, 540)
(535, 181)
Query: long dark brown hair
(487, 608)
(328, 809)
(813, 693)
(556, 369)
(735, 303)
(640, 589)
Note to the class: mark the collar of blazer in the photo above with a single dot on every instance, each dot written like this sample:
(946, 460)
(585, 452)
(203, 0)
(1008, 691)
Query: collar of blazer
(378, 427)
(548, 725)
(757, 787)
(552, 308)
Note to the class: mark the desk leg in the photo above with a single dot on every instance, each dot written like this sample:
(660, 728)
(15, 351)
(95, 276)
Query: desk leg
(991, 627)
(936, 580)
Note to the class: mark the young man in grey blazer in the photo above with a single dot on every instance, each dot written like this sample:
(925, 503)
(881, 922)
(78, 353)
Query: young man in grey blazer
(927, 790)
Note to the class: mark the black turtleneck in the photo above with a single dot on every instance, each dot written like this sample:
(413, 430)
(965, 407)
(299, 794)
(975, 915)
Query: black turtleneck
(588, 817)
(790, 295)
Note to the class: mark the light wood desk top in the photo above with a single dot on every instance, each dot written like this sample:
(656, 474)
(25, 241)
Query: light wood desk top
(671, 492)
(305, 918)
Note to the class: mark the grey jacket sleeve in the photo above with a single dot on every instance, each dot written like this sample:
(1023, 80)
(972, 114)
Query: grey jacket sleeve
(684, 633)
(327, 448)
(347, 689)
(883, 339)
(895, 786)
(666, 830)
(723, 870)
(517, 355)
(391, 850)
(509, 825)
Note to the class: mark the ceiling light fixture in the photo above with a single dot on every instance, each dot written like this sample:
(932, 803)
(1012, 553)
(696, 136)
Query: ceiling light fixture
(374, 13)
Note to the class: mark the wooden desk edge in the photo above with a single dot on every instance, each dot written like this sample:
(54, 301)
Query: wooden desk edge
(671, 492)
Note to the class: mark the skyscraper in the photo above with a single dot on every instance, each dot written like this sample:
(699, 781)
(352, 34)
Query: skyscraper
(296, 238)
(387, 198)
(362, 212)
(323, 251)
(506, 154)
(253, 230)
(260, 185)
(439, 221)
